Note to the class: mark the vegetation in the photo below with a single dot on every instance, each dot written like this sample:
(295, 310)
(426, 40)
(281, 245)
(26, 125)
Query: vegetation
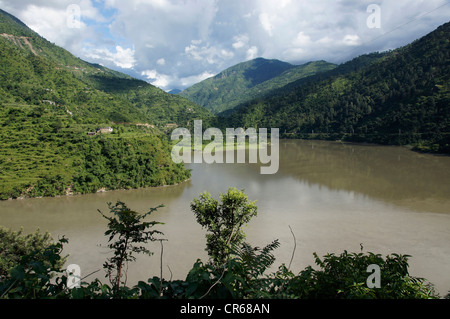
(50, 100)
(38, 72)
(15, 246)
(224, 221)
(45, 152)
(243, 273)
(36, 275)
(401, 97)
(248, 80)
(129, 234)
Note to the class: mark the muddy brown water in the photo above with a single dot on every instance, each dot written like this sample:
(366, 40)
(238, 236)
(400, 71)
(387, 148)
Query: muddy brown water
(333, 196)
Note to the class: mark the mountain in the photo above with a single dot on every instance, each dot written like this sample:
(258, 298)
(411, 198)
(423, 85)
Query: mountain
(50, 100)
(248, 80)
(175, 91)
(85, 89)
(399, 97)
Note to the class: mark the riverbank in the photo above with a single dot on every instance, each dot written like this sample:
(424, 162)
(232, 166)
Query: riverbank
(358, 140)
(222, 147)
(69, 193)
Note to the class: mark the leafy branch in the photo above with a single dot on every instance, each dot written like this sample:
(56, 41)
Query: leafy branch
(127, 234)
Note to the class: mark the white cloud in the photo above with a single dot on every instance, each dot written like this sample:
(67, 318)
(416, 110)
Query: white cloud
(241, 41)
(52, 20)
(207, 53)
(157, 79)
(293, 53)
(266, 21)
(252, 53)
(302, 40)
(191, 80)
(123, 58)
(184, 41)
(351, 39)
(165, 81)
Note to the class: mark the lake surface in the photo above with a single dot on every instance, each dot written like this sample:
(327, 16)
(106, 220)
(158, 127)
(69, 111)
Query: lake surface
(334, 196)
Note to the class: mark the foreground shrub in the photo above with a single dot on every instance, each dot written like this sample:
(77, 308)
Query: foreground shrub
(14, 245)
(348, 275)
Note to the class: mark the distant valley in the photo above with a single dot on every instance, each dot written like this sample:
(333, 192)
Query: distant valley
(400, 97)
(248, 80)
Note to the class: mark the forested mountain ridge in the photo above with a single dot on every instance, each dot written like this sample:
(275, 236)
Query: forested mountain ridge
(49, 102)
(248, 80)
(401, 97)
(37, 70)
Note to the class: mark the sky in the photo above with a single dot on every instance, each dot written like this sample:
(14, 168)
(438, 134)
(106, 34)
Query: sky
(174, 44)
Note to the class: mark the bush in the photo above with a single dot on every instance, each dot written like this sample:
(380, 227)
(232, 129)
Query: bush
(14, 246)
(346, 277)
(34, 276)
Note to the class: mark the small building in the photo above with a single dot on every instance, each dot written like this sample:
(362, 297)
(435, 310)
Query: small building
(105, 130)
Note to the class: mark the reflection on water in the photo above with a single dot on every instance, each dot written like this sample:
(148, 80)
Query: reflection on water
(334, 196)
(392, 174)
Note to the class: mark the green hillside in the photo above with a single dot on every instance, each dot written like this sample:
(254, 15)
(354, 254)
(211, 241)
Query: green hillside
(248, 80)
(400, 97)
(50, 100)
(37, 70)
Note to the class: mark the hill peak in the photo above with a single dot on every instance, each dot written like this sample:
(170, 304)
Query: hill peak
(242, 81)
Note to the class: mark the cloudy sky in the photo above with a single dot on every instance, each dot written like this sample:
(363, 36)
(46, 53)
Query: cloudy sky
(177, 43)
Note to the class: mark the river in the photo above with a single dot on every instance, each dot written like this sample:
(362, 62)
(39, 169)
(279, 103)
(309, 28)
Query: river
(334, 197)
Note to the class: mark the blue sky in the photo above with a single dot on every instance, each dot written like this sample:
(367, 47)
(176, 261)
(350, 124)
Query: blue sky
(177, 43)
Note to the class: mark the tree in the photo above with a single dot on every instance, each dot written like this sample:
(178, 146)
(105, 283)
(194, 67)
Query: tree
(223, 221)
(130, 233)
